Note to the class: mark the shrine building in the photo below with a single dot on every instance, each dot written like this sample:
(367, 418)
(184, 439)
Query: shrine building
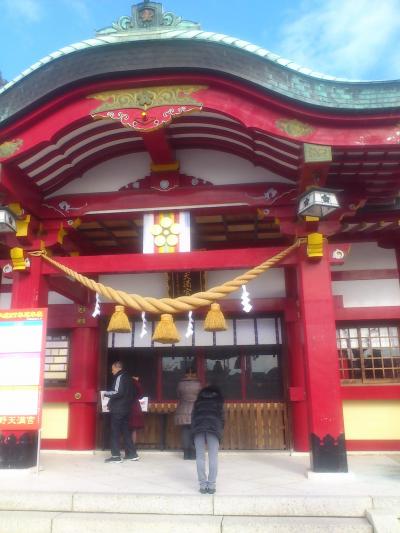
(159, 163)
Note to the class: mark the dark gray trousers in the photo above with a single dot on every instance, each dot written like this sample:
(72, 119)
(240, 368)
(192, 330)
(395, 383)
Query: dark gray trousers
(200, 441)
(119, 426)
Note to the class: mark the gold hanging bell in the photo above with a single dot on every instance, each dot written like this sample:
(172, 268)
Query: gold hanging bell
(166, 332)
(215, 320)
(119, 321)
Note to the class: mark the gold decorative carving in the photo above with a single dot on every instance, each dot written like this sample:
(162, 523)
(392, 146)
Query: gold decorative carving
(18, 259)
(294, 127)
(317, 153)
(9, 148)
(147, 97)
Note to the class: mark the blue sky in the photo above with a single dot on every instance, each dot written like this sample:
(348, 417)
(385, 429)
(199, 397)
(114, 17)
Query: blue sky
(354, 39)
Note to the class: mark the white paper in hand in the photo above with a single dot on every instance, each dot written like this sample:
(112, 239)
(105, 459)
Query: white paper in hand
(144, 404)
(104, 402)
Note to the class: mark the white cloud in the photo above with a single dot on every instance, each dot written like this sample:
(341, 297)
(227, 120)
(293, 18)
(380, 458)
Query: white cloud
(25, 9)
(348, 38)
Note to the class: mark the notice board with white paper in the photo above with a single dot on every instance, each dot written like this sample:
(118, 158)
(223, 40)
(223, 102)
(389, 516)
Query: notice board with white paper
(22, 354)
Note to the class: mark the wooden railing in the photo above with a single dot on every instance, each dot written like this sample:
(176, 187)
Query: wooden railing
(248, 426)
(255, 426)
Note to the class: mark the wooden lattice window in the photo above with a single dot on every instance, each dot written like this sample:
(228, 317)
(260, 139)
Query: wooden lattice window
(57, 359)
(369, 353)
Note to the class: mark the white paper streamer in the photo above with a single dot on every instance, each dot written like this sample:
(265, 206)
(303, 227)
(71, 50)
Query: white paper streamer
(96, 311)
(247, 307)
(144, 322)
(189, 331)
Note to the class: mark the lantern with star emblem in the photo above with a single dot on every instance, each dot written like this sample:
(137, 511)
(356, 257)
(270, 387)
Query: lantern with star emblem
(317, 202)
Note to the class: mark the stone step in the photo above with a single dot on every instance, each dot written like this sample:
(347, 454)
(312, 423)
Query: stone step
(187, 504)
(72, 522)
(285, 524)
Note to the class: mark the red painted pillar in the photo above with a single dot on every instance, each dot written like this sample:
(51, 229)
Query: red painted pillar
(83, 386)
(29, 288)
(327, 440)
(297, 384)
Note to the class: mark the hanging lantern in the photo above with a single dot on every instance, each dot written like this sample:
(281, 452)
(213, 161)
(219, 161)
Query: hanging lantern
(119, 321)
(166, 332)
(317, 202)
(215, 320)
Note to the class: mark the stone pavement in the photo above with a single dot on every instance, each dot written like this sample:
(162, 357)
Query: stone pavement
(256, 492)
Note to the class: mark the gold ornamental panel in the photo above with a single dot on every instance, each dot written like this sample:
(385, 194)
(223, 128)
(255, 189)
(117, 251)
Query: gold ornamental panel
(294, 127)
(147, 97)
(9, 148)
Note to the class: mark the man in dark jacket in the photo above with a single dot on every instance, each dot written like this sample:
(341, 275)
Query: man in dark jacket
(207, 428)
(120, 405)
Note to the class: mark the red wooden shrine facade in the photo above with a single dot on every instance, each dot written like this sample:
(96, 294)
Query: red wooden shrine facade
(84, 159)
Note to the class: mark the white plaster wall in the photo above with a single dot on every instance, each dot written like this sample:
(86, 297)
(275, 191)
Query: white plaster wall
(54, 298)
(5, 297)
(368, 256)
(110, 175)
(5, 300)
(368, 293)
(220, 169)
(150, 284)
(271, 284)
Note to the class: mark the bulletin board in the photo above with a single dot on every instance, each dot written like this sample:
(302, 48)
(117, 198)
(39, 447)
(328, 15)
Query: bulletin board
(22, 354)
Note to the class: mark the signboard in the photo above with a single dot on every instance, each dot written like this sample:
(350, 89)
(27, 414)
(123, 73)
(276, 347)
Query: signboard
(22, 349)
(185, 283)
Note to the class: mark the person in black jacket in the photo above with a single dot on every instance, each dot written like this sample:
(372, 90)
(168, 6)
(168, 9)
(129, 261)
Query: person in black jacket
(120, 406)
(207, 428)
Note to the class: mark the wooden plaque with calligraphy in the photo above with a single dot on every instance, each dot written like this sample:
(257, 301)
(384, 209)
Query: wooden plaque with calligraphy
(185, 283)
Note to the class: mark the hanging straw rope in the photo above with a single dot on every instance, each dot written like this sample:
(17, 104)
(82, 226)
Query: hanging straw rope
(169, 305)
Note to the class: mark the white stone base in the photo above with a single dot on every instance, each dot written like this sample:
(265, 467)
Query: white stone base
(330, 476)
(17, 472)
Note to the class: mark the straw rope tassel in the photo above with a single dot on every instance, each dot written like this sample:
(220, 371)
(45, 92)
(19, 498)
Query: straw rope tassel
(170, 305)
(166, 332)
(215, 320)
(119, 321)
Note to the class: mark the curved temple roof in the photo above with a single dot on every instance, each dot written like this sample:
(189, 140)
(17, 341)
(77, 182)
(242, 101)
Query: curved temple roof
(259, 66)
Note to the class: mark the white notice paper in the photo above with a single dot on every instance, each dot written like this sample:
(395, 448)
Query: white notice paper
(104, 402)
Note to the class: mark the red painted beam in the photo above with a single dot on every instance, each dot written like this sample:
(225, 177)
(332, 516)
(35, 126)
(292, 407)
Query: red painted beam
(69, 289)
(19, 189)
(371, 392)
(372, 445)
(196, 197)
(366, 313)
(231, 307)
(352, 275)
(160, 151)
(245, 258)
(66, 316)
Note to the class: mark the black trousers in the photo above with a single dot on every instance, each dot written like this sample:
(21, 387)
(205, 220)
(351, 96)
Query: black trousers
(119, 426)
(187, 442)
